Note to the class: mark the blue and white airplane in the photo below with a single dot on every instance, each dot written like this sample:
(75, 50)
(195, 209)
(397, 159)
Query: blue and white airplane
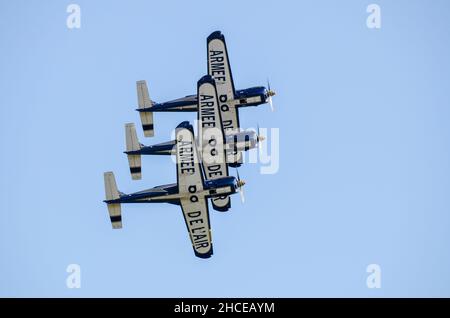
(212, 144)
(230, 99)
(191, 192)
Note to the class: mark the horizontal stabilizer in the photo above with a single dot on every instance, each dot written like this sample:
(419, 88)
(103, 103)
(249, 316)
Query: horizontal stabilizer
(133, 147)
(144, 102)
(111, 194)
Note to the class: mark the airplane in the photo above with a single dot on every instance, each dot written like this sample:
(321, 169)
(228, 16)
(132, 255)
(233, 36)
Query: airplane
(210, 129)
(191, 192)
(230, 99)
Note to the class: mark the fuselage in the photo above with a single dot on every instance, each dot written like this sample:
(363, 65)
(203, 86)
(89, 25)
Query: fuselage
(235, 141)
(253, 96)
(170, 193)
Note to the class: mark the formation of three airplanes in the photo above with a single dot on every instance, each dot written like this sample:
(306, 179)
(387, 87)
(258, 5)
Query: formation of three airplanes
(201, 174)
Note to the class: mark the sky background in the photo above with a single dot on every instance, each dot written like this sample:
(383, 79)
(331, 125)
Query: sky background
(364, 148)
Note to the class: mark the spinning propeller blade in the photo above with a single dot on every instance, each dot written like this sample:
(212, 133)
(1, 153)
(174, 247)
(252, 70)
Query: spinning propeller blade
(270, 93)
(240, 184)
(259, 138)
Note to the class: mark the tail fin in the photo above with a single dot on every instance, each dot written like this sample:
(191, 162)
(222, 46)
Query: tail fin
(112, 193)
(145, 102)
(133, 145)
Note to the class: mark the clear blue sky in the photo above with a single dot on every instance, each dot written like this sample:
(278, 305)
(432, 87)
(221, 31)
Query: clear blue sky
(364, 164)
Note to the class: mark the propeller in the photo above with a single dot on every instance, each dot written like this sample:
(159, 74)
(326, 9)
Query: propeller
(270, 93)
(240, 184)
(259, 137)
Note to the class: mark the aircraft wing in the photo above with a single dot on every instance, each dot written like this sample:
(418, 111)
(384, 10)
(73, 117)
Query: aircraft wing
(219, 64)
(219, 67)
(211, 139)
(190, 180)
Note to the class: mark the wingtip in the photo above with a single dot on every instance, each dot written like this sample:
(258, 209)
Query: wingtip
(204, 255)
(216, 35)
(185, 124)
(206, 79)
